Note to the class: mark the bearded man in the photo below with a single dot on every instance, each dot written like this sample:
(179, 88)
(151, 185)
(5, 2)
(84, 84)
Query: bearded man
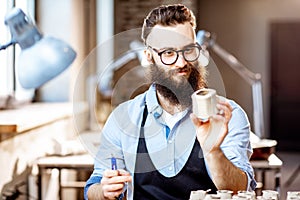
(157, 141)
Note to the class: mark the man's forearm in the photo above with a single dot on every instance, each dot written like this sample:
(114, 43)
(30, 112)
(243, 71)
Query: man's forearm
(95, 192)
(224, 173)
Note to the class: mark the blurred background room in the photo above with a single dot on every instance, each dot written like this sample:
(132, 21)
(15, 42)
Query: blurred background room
(49, 134)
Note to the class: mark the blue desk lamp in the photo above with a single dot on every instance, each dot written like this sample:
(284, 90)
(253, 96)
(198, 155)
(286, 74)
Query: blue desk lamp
(41, 58)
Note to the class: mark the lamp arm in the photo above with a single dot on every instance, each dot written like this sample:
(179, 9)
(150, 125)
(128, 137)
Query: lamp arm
(208, 40)
(237, 66)
(254, 79)
(2, 47)
(258, 116)
(105, 84)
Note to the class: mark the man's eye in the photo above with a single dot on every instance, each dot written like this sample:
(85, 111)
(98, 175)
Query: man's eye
(189, 50)
(169, 53)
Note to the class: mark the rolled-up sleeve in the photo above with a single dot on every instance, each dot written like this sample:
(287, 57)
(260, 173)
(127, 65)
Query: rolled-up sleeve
(108, 144)
(236, 145)
(242, 163)
(111, 143)
(92, 180)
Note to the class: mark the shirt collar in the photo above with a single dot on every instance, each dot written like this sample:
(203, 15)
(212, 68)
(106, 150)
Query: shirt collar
(152, 102)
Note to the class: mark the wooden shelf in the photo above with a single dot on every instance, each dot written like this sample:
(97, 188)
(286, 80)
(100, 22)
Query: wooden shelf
(73, 184)
(32, 116)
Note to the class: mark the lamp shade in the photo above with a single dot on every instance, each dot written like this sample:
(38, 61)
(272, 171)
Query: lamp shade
(43, 61)
(41, 58)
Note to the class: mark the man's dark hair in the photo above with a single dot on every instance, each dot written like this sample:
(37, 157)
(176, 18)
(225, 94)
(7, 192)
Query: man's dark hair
(167, 15)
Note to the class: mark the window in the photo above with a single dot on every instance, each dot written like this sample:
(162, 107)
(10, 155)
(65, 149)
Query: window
(9, 84)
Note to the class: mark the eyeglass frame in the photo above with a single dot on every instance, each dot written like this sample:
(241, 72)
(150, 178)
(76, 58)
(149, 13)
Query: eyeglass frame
(177, 53)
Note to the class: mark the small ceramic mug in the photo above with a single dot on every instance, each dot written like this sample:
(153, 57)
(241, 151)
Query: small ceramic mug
(204, 103)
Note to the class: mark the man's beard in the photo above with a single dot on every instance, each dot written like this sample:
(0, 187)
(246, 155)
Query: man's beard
(179, 91)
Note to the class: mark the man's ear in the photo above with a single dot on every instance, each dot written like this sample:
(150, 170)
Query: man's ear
(147, 58)
(204, 57)
(148, 55)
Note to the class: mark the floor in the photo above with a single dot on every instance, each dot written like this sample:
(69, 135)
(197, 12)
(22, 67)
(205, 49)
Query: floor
(290, 173)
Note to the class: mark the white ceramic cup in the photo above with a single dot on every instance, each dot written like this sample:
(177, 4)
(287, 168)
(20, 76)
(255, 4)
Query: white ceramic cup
(204, 103)
(225, 194)
(270, 194)
(197, 195)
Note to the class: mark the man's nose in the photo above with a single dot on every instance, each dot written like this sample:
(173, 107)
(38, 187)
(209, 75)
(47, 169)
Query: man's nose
(181, 62)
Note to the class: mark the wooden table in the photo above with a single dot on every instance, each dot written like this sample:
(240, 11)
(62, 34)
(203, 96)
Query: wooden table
(74, 162)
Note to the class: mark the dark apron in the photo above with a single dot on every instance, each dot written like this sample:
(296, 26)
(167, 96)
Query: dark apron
(150, 184)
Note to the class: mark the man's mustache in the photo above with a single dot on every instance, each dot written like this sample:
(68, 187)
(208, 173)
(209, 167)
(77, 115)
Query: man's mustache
(186, 68)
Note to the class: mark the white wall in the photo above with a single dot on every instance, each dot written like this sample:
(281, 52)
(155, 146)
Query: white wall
(73, 22)
(54, 18)
(242, 28)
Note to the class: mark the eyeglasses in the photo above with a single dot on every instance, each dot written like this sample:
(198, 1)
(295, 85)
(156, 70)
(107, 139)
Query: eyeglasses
(170, 56)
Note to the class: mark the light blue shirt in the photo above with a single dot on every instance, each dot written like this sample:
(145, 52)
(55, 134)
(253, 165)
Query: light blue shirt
(169, 149)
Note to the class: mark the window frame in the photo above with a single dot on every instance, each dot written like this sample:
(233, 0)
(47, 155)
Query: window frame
(9, 83)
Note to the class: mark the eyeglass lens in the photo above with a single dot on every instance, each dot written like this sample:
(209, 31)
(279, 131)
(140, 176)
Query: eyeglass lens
(170, 56)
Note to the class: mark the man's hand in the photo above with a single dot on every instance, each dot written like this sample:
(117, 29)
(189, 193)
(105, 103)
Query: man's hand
(113, 182)
(211, 134)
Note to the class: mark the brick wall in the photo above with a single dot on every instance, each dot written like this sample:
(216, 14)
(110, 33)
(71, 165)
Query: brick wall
(129, 14)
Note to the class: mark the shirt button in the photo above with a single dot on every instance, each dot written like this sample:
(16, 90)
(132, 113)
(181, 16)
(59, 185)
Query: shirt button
(156, 115)
(170, 168)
